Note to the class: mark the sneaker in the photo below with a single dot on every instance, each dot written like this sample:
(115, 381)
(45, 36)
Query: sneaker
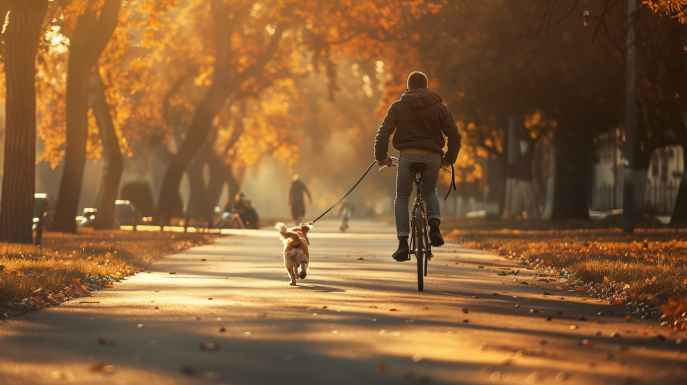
(435, 236)
(402, 254)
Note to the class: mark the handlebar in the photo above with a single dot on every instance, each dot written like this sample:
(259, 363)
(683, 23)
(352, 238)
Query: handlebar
(390, 164)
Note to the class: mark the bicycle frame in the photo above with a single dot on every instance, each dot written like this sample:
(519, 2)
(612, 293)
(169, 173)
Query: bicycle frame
(420, 202)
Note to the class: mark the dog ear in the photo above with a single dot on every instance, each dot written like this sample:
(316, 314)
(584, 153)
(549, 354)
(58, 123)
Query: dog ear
(306, 228)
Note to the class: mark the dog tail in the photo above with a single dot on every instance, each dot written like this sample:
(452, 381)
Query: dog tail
(286, 234)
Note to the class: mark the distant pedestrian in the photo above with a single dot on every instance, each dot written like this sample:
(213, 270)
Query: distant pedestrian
(345, 214)
(297, 200)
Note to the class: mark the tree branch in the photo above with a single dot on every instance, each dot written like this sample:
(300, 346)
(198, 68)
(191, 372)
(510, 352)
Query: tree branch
(252, 70)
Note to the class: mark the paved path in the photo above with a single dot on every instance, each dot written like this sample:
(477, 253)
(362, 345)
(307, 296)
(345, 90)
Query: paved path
(337, 327)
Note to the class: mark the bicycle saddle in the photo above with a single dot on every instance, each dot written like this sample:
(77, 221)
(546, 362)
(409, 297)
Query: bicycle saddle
(418, 167)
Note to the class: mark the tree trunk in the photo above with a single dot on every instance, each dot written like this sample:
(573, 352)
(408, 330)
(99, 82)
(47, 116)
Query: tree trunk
(571, 180)
(112, 153)
(198, 199)
(90, 38)
(233, 185)
(550, 181)
(19, 181)
(218, 178)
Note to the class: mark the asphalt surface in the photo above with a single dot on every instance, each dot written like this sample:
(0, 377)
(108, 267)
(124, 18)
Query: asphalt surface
(356, 319)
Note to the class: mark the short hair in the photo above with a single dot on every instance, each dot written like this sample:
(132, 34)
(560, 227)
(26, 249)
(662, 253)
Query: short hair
(417, 79)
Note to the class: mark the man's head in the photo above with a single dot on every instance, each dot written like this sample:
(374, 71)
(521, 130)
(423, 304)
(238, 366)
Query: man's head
(416, 80)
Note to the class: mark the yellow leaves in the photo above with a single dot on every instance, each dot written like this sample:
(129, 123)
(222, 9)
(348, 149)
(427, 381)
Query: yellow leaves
(618, 302)
(675, 8)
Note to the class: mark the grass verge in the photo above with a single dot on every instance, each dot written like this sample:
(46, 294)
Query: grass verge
(643, 270)
(71, 265)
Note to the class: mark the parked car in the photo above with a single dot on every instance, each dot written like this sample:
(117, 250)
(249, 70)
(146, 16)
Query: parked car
(125, 212)
(43, 206)
(41, 203)
(123, 215)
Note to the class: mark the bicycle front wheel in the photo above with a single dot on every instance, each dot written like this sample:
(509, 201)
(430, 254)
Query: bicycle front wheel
(420, 247)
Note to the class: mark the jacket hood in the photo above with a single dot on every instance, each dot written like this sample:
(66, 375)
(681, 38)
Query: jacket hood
(420, 98)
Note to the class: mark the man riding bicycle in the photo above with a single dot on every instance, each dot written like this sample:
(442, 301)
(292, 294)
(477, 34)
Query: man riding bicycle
(420, 120)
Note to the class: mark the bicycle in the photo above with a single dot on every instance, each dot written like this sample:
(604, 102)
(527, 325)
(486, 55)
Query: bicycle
(420, 246)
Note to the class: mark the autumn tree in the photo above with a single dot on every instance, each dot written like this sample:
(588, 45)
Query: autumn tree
(93, 30)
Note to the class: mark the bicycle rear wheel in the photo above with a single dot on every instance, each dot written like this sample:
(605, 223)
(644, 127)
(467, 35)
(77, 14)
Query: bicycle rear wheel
(420, 247)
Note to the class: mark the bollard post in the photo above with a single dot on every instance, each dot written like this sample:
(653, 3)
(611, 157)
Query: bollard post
(162, 222)
(186, 220)
(134, 220)
(39, 231)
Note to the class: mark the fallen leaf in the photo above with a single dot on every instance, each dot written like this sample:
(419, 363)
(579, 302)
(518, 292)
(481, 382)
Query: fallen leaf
(425, 308)
(465, 311)
(548, 318)
(209, 346)
(587, 342)
(559, 288)
(547, 293)
(222, 330)
(382, 367)
(480, 267)
(606, 280)
(466, 321)
(101, 367)
(108, 285)
(579, 289)
(618, 302)
(394, 310)
(628, 318)
(264, 315)
(573, 327)
(198, 373)
(103, 341)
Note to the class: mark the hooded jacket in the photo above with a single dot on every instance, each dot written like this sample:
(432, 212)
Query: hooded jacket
(419, 120)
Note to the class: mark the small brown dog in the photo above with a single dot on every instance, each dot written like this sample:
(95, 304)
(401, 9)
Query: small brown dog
(296, 252)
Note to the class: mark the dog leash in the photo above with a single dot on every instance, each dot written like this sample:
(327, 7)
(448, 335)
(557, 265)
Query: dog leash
(453, 182)
(349, 191)
(452, 186)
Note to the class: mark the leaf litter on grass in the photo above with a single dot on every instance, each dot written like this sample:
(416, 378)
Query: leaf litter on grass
(70, 266)
(593, 257)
